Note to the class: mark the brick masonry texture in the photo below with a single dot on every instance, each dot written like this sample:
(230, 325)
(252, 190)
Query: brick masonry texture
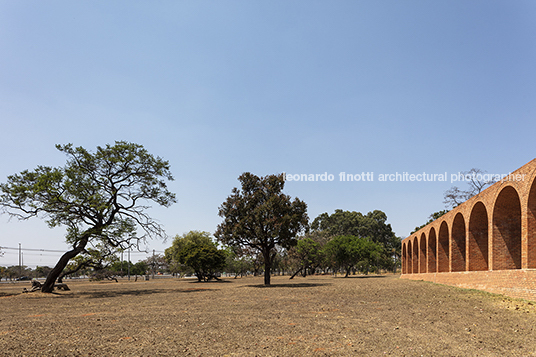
(486, 243)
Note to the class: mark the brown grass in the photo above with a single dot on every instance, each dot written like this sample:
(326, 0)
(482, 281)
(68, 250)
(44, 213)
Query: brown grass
(313, 316)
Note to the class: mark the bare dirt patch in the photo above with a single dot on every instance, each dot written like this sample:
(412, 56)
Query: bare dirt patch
(313, 316)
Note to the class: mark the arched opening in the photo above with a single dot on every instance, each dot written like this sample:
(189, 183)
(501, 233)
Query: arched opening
(404, 259)
(415, 254)
(531, 227)
(478, 238)
(432, 251)
(443, 248)
(422, 254)
(458, 243)
(507, 230)
(410, 258)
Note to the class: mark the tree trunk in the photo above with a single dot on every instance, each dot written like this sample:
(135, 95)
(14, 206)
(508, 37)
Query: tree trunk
(267, 267)
(296, 273)
(48, 286)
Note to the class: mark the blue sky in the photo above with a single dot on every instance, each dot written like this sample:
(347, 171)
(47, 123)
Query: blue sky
(303, 87)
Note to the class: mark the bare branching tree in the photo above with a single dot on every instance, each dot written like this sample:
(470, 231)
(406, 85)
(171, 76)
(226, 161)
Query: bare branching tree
(477, 181)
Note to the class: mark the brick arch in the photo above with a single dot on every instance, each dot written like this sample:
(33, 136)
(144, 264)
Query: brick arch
(499, 226)
(458, 244)
(443, 251)
(422, 254)
(404, 259)
(531, 226)
(409, 265)
(432, 251)
(478, 238)
(507, 230)
(415, 255)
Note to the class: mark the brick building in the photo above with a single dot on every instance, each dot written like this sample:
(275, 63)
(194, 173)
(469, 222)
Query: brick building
(486, 243)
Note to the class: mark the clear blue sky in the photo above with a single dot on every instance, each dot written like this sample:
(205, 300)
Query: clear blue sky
(304, 87)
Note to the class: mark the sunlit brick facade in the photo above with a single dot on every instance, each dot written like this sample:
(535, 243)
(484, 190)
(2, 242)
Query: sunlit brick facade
(487, 242)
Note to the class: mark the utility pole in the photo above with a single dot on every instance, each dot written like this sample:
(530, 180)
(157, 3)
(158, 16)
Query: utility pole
(20, 262)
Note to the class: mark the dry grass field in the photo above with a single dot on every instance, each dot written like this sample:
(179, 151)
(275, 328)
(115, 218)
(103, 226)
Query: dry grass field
(313, 316)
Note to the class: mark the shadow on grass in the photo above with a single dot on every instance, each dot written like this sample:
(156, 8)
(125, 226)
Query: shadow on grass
(8, 294)
(141, 292)
(360, 276)
(289, 285)
(210, 282)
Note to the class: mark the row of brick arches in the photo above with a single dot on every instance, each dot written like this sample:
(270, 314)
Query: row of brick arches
(495, 230)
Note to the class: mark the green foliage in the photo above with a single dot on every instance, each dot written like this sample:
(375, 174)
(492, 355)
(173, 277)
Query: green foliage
(307, 255)
(262, 217)
(100, 197)
(90, 260)
(120, 267)
(197, 251)
(309, 252)
(237, 263)
(140, 268)
(42, 271)
(373, 226)
(350, 252)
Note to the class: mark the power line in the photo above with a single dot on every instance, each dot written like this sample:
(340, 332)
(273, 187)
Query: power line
(34, 250)
(63, 251)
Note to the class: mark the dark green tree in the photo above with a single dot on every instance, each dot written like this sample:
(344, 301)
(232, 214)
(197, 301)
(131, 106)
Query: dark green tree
(262, 217)
(237, 262)
(307, 255)
(348, 252)
(42, 271)
(197, 250)
(373, 225)
(100, 197)
(140, 268)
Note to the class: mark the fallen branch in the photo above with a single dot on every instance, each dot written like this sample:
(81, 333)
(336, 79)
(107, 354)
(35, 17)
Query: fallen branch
(36, 285)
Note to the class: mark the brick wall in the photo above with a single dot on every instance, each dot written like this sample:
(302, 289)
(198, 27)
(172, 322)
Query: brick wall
(487, 242)
(517, 283)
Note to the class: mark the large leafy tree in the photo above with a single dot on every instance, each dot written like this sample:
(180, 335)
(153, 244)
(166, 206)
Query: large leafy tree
(306, 255)
(373, 225)
(348, 252)
(262, 217)
(197, 250)
(100, 197)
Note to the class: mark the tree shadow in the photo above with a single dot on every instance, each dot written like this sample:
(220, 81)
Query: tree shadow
(8, 294)
(289, 285)
(360, 276)
(141, 292)
(221, 281)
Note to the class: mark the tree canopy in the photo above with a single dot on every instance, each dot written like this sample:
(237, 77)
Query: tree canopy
(100, 197)
(372, 226)
(197, 250)
(307, 255)
(261, 216)
(348, 252)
